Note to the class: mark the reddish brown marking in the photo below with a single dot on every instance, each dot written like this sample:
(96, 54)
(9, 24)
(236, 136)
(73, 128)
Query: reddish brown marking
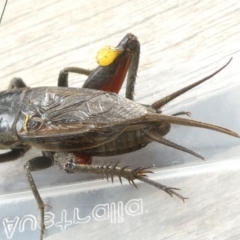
(116, 81)
(82, 158)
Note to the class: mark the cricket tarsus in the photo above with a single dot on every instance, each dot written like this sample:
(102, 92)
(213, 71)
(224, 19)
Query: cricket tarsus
(122, 172)
(168, 190)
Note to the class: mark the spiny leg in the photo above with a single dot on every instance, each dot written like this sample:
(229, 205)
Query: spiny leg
(124, 172)
(35, 164)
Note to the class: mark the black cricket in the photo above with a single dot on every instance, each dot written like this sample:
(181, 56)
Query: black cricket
(72, 124)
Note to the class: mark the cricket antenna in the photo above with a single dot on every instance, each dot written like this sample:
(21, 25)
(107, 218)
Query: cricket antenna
(3, 11)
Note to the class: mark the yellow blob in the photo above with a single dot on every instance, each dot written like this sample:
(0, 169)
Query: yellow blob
(107, 55)
(26, 122)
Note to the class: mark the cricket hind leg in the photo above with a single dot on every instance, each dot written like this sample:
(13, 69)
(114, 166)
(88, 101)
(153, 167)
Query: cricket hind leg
(168, 190)
(63, 75)
(108, 171)
(62, 158)
(110, 77)
(122, 61)
(132, 73)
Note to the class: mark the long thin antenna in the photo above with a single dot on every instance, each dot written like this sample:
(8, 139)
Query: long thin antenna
(3, 11)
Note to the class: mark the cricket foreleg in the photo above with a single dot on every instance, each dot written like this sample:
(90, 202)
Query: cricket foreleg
(36, 164)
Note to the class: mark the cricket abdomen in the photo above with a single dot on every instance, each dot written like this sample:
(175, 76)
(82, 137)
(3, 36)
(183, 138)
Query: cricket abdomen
(126, 142)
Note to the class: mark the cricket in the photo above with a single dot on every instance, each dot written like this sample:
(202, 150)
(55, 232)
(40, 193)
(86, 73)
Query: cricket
(72, 125)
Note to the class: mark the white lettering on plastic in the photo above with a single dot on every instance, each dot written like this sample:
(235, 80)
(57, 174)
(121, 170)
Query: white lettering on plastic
(10, 226)
(29, 219)
(64, 222)
(77, 219)
(101, 212)
(112, 212)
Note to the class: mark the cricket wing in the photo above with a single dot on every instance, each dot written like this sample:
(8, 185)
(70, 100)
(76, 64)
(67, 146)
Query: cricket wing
(74, 119)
